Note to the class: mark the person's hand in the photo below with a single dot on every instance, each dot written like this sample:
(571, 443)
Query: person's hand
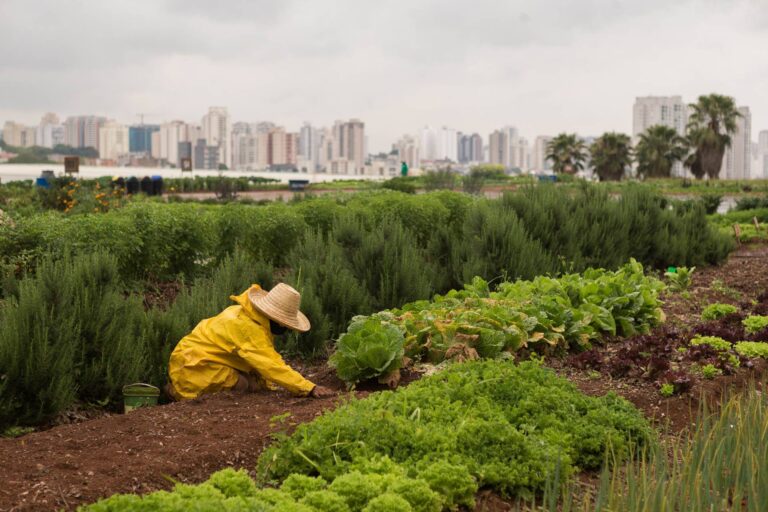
(321, 392)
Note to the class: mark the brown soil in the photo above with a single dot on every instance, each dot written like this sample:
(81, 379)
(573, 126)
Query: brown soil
(70, 465)
(145, 450)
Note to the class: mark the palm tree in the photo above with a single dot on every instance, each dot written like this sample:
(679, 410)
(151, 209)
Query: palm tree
(611, 155)
(658, 150)
(567, 153)
(710, 126)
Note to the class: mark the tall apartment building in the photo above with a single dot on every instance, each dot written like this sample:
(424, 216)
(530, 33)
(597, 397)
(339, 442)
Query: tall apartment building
(205, 156)
(244, 147)
(519, 153)
(348, 146)
(309, 147)
(140, 138)
(15, 134)
(498, 148)
(539, 161)
(50, 132)
(761, 170)
(738, 156)
(113, 140)
(276, 147)
(217, 129)
(470, 148)
(83, 131)
(408, 151)
(165, 142)
(439, 144)
(669, 111)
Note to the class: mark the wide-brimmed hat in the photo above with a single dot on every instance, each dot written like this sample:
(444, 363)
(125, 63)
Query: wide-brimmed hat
(281, 304)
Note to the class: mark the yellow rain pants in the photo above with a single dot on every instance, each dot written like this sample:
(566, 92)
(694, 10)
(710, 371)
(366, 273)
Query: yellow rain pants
(236, 340)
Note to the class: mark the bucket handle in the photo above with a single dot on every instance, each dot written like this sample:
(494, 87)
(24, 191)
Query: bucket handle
(140, 384)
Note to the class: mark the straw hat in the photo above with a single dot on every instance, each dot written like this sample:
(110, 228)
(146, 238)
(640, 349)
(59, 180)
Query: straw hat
(281, 304)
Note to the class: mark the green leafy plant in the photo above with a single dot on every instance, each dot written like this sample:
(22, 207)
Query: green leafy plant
(755, 323)
(710, 371)
(752, 348)
(680, 278)
(507, 426)
(715, 342)
(544, 314)
(716, 311)
(667, 389)
(371, 347)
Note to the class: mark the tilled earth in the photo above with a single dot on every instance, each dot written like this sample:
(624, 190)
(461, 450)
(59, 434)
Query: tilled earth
(149, 449)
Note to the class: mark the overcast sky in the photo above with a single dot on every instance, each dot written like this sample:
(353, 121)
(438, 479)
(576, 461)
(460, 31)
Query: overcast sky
(544, 66)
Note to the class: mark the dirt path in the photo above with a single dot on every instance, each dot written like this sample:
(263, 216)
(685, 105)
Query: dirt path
(71, 465)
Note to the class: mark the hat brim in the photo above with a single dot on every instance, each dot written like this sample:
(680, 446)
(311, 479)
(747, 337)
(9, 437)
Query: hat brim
(298, 323)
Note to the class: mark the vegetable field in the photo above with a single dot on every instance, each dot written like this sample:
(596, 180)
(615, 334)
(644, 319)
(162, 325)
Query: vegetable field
(487, 353)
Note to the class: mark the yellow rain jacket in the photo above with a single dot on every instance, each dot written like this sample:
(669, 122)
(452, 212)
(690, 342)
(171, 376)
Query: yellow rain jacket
(236, 340)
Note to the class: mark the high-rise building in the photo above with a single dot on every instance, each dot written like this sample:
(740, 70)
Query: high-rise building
(539, 160)
(738, 156)
(113, 140)
(348, 146)
(439, 144)
(167, 143)
(276, 147)
(206, 156)
(50, 133)
(470, 148)
(140, 138)
(244, 147)
(660, 110)
(519, 153)
(217, 132)
(309, 147)
(498, 152)
(15, 134)
(83, 131)
(408, 151)
(761, 171)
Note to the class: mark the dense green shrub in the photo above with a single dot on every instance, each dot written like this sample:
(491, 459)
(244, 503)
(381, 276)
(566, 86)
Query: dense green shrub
(511, 426)
(70, 334)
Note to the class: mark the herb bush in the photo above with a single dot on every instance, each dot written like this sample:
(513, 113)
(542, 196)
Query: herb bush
(69, 334)
(510, 426)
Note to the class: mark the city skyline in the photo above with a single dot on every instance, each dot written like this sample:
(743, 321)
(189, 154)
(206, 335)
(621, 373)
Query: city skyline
(545, 67)
(343, 148)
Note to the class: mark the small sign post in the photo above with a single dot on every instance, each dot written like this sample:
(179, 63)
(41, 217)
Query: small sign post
(186, 164)
(72, 164)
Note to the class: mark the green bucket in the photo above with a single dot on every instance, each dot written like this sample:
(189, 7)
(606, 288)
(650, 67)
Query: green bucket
(139, 395)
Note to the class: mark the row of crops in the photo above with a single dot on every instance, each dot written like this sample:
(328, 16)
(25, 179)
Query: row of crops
(545, 315)
(426, 447)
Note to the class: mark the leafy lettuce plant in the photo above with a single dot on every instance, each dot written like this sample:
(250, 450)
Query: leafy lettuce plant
(755, 323)
(370, 348)
(716, 311)
(752, 348)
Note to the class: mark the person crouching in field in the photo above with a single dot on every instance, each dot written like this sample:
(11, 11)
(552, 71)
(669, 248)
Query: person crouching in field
(235, 351)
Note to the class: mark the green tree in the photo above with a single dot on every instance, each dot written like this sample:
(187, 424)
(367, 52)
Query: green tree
(658, 150)
(611, 155)
(710, 126)
(567, 153)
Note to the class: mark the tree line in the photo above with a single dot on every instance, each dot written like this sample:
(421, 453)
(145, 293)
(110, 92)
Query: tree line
(711, 124)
